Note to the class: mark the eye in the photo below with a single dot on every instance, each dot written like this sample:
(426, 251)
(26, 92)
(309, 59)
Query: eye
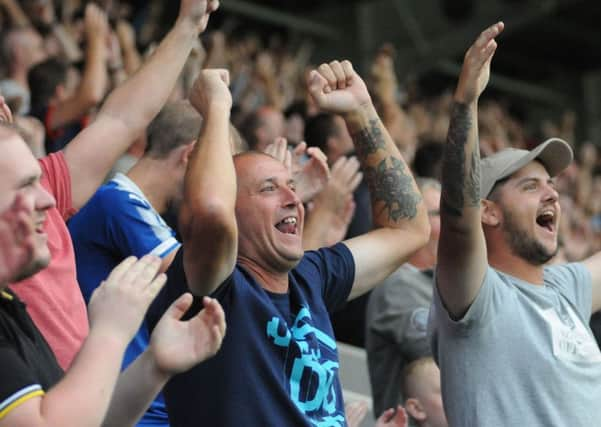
(266, 188)
(530, 186)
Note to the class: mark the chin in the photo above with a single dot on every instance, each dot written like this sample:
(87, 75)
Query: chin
(35, 266)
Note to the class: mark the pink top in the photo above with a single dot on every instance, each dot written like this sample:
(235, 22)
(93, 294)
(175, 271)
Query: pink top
(53, 298)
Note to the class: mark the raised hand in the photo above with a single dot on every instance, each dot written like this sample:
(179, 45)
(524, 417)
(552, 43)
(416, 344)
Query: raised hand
(333, 208)
(16, 240)
(337, 88)
(311, 175)
(355, 413)
(278, 149)
(475, 72)
(391, 419)
(119, 304)
(178, 345)
(95, 23)
(211, 88)
(308, 166)
(197, 12)
(6, 116)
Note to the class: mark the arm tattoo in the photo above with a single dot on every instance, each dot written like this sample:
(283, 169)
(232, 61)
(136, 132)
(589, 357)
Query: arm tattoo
(369, 139)
(455, 185)
(390, 184)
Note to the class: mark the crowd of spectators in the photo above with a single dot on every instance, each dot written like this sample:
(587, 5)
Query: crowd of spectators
(61, 61)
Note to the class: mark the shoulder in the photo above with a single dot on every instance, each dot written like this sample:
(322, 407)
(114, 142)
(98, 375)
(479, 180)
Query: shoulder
(337, 256)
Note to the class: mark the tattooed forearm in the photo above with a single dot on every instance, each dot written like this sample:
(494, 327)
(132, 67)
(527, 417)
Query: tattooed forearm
(390, 184)
(472, 185)
(369, 139)
(455, 185)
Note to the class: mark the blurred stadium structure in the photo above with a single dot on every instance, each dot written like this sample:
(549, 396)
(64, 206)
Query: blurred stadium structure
(551, 50)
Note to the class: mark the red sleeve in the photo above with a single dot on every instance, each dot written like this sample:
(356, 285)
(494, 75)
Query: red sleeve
(57, 180)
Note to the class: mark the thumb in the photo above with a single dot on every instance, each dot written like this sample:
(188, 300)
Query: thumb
(179, 307)
(316, 85)
(224, 75)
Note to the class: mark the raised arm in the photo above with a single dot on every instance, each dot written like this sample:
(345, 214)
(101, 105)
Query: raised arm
(462, 260)
(94, 80)
(207, 216)
(398, 210)
(116, 311)
(175, 347)
(131, 106)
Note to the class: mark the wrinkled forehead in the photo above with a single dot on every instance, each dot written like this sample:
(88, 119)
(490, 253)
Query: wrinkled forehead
(254, 168)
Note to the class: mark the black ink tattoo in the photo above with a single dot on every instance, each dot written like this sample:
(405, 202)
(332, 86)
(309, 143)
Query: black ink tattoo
(369, 140)
(391, 185)
(455, 185)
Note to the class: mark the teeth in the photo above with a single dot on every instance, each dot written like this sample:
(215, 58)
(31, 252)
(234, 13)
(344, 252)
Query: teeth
(289, 220)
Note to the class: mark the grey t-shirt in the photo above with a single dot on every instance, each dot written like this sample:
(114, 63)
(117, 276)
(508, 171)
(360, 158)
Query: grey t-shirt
(397, 332)
(523, 355)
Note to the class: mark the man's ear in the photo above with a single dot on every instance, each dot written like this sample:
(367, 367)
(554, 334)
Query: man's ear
(415, 409)
(490, 213)
(186, 151)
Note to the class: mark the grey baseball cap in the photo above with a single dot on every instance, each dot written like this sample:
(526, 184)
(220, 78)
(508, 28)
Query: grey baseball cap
(555, 154)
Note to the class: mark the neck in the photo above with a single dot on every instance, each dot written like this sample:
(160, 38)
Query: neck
(269, 280)
(511, 264)
(149, 175)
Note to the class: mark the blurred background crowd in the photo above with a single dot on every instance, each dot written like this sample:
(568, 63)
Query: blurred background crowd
(60, 58)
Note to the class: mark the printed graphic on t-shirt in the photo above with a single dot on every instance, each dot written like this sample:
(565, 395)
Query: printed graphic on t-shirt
(311, 366)
(418, 323)
(571, 340)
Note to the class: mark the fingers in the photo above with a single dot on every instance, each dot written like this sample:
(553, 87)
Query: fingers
(322, 161)
(336, 68)
(300, 149)
(346, 171)
(5, 114)
(317, 86)
(489, 34)
(278, 149)
(338, 75)
(156, 285)
(212, 6)
(485, 45)
(214, 312)
(180, 306)
(355, 181)
(224, 75)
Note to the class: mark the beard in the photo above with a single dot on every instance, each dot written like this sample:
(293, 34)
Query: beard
(524, 245)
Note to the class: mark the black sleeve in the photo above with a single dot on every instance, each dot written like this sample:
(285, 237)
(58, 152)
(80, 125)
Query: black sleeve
(18, 383)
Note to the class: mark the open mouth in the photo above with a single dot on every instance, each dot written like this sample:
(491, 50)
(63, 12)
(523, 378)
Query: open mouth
(546, 219)
(288, 225)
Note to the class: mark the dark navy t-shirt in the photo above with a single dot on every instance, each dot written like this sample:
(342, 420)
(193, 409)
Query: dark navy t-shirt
(278, 365)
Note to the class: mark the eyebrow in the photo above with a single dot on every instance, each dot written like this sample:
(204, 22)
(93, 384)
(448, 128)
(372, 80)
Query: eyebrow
(273, 180)
(28, 180)
(530, 179)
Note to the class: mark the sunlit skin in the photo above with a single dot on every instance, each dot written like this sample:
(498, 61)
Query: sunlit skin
(20, 173)
(523, 200)
(266, 196)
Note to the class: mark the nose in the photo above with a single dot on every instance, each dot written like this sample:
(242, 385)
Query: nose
(291, 199)
(551, 194)
(43, 199)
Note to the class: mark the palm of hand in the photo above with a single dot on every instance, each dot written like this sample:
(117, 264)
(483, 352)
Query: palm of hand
(179, 345)
(311, 177)
(399, 420)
